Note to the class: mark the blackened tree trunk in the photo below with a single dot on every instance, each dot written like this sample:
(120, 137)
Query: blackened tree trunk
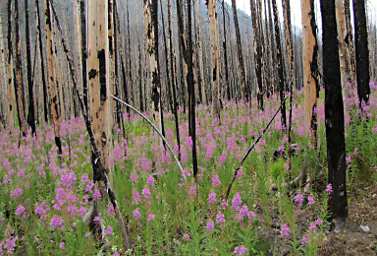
(42, 60)
(280, 64)
(84, 51)
(362, 53)
(20, 94)
(257, 54)
(185, 38)
(31, 114)
(151, 34)
(334, 114)
(226, 68)
(172, 68)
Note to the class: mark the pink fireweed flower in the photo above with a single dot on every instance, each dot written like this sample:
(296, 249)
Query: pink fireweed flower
(68, 179)
(151, 217)
(285, 232)
(10, 245)
(41, 209)
(298, 199)
(20, 210)
(117, 153)
(311, 200)
(134, 177)
(108, 231)
(318, 222)
(251, 215)
(189, 141)
(21, 173)
(145, 163)
(212, 198)
(305, 240)
(312, 226)
(84, 179)
(220, 218)
(62, 245)
(329, 189)
(150, 180)
(56, 222)
(97, 195)
(244, 211)
(239, 173)
(97, 220)
(216, 182)
(136, 198)
(146, 193)
(236, 201)
(136, 214)
(89, 187)
(16, 193)
(240, 250)
(222, 158)
(210, 225)
(72, 210)
(110, 209)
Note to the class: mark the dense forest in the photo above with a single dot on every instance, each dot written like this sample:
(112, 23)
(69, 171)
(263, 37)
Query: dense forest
(188, 127)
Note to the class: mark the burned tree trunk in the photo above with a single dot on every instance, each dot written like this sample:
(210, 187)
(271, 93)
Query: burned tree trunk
(215, 59)
(226, 68)
(52, 87)
(280, 64)
(185, 38)
(19, 84)
(10, 71)
(172, 68)
(334, 114)
(345, 57)
(151, 34)
(257, 54)
(31, 114)
(362, 52)
(310, 56)
(42, 63)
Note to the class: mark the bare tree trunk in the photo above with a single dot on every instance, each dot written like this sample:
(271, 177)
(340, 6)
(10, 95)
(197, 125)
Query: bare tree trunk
(344, 54)
(52, 87)
(172, 68)
(310, 55)
(241, 68)
(20, 94)
(291, 63)
(31, 114)
(280, 65)
(198, 50)
(226, 65)
(257, 54)
(215, 59)
(42, 63)
(10, 70)
(151, 34)
(185, 38)
(362, 52)
(334, 114)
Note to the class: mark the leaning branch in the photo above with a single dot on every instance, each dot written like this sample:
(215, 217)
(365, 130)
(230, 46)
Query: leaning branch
(250, 149)
(154, 128)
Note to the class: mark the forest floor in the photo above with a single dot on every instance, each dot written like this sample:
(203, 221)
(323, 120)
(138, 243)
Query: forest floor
(359, 236)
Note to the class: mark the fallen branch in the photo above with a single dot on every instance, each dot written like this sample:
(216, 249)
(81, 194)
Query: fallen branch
(154, 128)
(250, 149)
